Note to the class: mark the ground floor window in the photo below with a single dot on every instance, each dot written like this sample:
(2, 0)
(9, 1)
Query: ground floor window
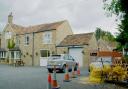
(45, 53)
(2, 54)
(15, 55)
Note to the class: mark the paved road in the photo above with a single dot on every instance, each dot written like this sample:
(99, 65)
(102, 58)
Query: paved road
(36, 78)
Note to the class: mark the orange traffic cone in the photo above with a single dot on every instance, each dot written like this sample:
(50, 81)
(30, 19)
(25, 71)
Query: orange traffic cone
(73, 72)
(54, 81)
(66, 77)
(78, 70)
(49, 81)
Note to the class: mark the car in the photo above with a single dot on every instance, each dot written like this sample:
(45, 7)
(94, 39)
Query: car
(60, 61)
(99, 63)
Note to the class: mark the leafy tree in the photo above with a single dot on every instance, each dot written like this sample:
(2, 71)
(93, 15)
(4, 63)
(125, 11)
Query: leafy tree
(105, 35)
(98, 33)
(120, 9)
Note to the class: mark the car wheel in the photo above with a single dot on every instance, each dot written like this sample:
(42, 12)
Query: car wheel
(50, 70)
(64, 69)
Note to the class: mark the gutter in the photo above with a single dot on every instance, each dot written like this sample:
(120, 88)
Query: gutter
(71, 45)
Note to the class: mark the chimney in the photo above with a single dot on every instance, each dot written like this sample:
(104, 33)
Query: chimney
(10, 18)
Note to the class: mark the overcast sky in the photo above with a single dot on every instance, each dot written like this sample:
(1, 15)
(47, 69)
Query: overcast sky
(83, 15)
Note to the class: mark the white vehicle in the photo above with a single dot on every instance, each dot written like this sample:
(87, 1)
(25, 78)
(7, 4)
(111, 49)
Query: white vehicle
(99, 63)
(60, 62)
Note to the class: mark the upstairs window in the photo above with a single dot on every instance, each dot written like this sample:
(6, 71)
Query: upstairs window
(26, 39)
(8, 35)
(47, 37)
(17, 41)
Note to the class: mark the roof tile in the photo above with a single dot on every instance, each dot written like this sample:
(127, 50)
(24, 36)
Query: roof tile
(76, 39)
(36, 28)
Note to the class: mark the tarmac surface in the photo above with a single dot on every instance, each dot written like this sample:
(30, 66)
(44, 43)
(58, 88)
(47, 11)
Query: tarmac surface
(26, 77)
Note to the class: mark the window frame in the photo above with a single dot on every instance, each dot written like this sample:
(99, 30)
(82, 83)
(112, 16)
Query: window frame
(47, 37)
(2, 54)
(26, 39)
(17, 41)
(15, 57)
(8, 35)
(47, 55)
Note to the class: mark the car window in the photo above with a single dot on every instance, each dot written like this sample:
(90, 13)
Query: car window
(65, 57)
(71, 58)
(54, 57)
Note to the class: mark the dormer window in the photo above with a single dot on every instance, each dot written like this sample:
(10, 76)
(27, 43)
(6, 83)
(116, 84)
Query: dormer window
(26, 39)
(8, 35)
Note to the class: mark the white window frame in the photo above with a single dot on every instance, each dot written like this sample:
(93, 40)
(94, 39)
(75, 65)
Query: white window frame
(8, 35)
(2, 54)
(47, 37)
(26, 39)
(17, 55)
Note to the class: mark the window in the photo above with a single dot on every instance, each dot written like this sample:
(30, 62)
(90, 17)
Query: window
(45, 53)
(8, 35)
(15, 55)
(47, 37)
(66, 57)
(12, 55)
(17, 41)
(2, 54)
(71, 58)
(26, 39)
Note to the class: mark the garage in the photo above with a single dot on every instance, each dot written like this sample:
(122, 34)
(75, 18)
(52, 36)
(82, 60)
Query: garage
(79, 46)
(76, 53)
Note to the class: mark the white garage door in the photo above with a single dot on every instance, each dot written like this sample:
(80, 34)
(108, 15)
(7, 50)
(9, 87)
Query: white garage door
(76, 53)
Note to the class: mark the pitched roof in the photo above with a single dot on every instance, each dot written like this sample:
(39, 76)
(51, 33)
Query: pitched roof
(36, 28)
(76, 39)
(106, 46)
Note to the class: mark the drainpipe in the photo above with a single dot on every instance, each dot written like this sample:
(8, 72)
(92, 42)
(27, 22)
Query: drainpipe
(33, 49)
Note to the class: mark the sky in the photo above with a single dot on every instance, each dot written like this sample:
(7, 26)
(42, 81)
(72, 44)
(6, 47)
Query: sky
(83, 15)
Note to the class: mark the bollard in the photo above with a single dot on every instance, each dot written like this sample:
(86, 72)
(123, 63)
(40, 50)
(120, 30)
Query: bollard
(73, 72)
(49, 81)
(78, 70)
(54, 81)
(66, 76)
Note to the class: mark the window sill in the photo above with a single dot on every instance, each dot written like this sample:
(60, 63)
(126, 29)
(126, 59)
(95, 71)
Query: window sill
(47, 43)
(2, 57)
(26, 45)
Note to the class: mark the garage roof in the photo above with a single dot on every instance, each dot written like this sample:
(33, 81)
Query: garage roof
(77, 39)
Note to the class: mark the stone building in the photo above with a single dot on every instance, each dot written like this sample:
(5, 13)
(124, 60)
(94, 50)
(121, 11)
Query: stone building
(80, 46)
(33, 44)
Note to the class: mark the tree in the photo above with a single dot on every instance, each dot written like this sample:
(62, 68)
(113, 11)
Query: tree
(105, 35)
(120, 9)
(98, 33)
